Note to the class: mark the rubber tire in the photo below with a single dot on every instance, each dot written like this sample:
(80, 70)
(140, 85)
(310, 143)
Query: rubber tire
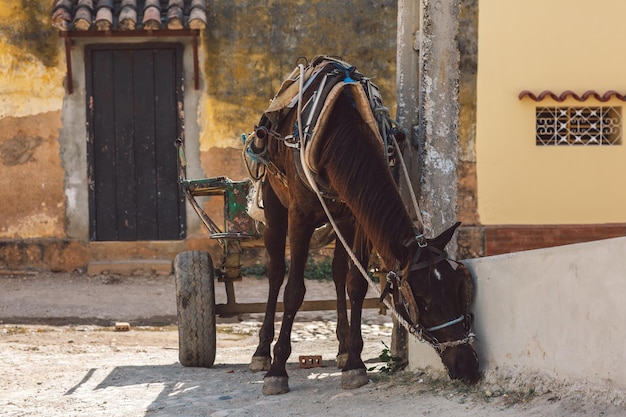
(195, 301)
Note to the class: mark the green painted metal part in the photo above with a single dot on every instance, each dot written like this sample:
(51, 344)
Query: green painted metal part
(238, 225)
(235, 213)
(235, 193)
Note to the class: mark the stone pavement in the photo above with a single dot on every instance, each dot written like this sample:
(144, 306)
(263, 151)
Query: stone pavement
(62, 298)
(73, 298)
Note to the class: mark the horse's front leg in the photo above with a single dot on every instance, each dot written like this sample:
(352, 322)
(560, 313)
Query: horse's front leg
(274, 236)
(300, 231)
(354, 373)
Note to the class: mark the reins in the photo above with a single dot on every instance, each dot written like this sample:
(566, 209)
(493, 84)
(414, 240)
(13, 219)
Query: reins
(422, 334)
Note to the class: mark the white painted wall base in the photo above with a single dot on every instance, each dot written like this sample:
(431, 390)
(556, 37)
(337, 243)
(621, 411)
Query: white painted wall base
(558, 311)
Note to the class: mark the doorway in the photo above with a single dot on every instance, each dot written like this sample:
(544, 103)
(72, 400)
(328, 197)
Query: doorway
(134, 115)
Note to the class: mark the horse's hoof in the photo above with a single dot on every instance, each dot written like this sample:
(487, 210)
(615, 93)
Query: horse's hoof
(342, 358)
(274, 385)
(260, 363)
(354, 378)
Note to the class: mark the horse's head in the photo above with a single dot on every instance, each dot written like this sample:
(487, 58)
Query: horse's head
(442, 292)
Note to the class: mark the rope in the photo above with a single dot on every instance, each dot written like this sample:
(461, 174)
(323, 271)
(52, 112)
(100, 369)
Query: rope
(411, 329)
(414, 329)
(255, 162)
(381, 113)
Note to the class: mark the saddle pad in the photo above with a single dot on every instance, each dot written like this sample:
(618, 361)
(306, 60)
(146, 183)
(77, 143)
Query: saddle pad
(314, 76)
(288, 92)
(287, 96)
(311, 148)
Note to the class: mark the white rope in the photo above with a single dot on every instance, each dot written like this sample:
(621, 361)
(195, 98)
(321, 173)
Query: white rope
(405, 171)
(307, 172)
(384, 120)
(415, 329)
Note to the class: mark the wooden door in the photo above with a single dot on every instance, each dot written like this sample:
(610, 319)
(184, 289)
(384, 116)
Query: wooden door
(134, 115)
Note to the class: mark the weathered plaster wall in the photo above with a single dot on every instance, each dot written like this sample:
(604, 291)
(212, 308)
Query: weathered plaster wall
(31, 177)
(438, 108)
(430, 76)
(470, 236)
(31, 97)
(252, 45)
(30, 64)
(246, 51)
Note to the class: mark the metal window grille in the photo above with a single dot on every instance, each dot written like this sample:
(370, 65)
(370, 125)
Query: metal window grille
(578, 126)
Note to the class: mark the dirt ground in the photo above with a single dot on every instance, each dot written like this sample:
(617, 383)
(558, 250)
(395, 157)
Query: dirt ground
(87, 369)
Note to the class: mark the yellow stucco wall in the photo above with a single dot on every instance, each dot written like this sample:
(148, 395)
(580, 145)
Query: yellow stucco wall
(31, 98)
(547, 45)
(245, 52)
(31, 64)
(250, 46)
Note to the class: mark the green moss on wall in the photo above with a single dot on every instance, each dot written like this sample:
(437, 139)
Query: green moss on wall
(29, 29)
(251, 45)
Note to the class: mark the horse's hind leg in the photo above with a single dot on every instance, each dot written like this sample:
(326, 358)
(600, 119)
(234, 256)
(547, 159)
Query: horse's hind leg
(354, 373)
(340, 270)
(300, 231)
(274, 237)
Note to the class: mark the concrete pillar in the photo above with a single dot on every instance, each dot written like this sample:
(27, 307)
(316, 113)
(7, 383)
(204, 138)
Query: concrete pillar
(407, 93)
(438, 111)
(428, 106)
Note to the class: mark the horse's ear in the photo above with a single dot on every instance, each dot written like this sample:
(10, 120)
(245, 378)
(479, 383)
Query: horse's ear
(442, 240)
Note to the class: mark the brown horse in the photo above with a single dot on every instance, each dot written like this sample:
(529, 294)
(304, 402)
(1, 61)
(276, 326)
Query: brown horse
(363, 198)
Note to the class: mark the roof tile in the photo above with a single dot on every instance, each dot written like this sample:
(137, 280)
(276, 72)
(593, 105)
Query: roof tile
(103, 15)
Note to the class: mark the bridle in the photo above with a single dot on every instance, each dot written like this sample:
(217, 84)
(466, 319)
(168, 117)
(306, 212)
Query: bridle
(405, 301)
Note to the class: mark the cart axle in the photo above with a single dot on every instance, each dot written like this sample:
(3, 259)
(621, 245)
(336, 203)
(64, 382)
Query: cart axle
(234, 309)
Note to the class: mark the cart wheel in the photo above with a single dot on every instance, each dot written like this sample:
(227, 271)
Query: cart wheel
(195, 300)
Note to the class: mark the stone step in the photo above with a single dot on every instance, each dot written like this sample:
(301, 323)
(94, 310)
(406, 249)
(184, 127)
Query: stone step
(130, 267)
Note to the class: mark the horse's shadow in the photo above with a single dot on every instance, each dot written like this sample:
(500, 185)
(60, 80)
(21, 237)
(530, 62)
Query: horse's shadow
(230, 388)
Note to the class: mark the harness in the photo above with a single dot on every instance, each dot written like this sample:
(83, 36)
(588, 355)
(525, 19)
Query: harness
(312, 91)
(323, 80)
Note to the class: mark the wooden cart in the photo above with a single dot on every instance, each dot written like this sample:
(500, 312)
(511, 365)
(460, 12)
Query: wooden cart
(195, 271)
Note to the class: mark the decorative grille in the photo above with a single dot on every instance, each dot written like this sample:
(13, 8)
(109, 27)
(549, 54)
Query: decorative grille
(578, 126)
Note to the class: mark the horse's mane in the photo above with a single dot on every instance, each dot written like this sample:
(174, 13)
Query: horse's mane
(353, 162)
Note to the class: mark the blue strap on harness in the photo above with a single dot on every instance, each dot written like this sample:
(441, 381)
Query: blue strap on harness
(446, 324)
(347, 70)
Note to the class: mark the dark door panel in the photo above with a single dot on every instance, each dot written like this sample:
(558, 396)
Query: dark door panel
(144, 91)
(134, 93)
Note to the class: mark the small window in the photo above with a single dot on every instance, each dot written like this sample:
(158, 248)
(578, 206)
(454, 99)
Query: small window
(578, 126)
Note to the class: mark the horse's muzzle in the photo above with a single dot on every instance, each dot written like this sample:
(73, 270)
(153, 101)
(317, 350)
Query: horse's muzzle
(462, 363)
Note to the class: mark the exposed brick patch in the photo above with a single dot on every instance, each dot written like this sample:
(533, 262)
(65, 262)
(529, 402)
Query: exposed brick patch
(467, 200)
(506, 239)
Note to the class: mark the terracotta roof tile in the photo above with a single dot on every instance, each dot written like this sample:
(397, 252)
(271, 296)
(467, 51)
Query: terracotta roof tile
(83, 15)
(569, 93)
